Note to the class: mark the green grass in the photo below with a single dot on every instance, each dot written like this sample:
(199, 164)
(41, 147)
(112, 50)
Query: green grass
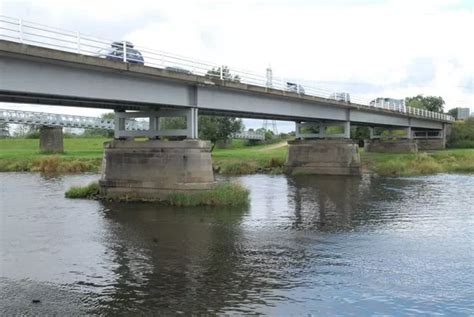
(227, 194)
(249, 159)
(88, 192)
(81, 155)
(85, 155)
(446, 161)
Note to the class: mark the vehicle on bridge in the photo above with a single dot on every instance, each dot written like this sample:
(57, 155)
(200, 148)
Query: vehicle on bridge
(294, 87)
(115, 53)
(388, 103)
(179, 70)
(341, 96)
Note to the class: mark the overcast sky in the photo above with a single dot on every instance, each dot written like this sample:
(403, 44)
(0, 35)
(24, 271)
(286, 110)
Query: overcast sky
(370, 48)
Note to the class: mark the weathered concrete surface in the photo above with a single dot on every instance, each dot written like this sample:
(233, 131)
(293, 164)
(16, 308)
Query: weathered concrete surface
(431, 144)
(325, 157)
(391, 146)
(51, 139)
(153, 169)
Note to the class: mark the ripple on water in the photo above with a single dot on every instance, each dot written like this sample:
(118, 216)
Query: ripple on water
(305, 245)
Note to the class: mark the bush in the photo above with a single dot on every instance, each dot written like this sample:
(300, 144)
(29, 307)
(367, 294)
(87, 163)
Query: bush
(462, 134)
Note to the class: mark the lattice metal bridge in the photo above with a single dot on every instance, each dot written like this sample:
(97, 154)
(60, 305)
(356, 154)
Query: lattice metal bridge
(74, 121)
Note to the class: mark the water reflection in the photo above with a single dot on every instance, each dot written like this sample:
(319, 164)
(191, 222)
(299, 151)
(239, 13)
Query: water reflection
(163, 254)
(326, 203)
(305, 245)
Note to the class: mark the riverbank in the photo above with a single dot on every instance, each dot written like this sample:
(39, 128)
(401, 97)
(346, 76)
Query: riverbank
(85, 155)
(423, 163)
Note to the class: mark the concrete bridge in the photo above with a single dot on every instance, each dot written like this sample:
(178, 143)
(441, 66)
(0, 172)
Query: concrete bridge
(33, 74)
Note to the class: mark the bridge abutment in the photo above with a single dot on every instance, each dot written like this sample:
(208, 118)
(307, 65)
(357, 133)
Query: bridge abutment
(154, 169)
(51, 139)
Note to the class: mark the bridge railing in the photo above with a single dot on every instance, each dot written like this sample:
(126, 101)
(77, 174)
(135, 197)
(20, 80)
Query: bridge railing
(18, 30)
(249, 135)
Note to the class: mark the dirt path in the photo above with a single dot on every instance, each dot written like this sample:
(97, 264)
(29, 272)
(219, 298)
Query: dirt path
(274, 146)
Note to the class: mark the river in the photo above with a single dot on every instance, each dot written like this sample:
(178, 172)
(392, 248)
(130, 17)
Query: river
(305, 245)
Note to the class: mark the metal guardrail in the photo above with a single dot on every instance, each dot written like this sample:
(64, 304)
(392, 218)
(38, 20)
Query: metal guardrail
(18, 30)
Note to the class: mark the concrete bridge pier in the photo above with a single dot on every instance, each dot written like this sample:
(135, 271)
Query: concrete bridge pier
(430, 139)
(51, 139)
(323, 148)
(397, 140)
(154, 168)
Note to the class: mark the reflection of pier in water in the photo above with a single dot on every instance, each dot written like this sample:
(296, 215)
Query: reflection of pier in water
(213, 260)
(339, 203)
(169, 254)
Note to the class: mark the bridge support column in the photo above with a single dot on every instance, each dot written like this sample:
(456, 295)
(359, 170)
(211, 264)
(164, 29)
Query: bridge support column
(391, 142)
(125, 129)
(153, 169)
(51, 139)
(319, 151)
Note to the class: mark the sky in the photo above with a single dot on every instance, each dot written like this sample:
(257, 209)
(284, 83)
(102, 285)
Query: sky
(369, 48)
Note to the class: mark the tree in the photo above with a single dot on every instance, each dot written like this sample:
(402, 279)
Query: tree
(215, 128)
(212, 128)
(453, 112)
(462, 134)
(430, 103)
(226, 75)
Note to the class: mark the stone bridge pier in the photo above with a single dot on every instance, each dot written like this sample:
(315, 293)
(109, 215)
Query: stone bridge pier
(51, 139)
(155, 167)
(323, 148)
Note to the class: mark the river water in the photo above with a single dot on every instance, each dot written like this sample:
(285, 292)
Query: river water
(304, 245)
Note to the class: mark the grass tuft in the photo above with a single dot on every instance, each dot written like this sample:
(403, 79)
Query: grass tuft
(88, 191)
(228, 194)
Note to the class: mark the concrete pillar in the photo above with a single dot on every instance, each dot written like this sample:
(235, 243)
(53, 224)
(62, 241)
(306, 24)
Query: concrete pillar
(51, 139)
(323, 156)
(153, 169)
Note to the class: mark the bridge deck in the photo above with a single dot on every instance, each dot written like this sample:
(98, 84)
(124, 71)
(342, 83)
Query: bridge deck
(33, 74)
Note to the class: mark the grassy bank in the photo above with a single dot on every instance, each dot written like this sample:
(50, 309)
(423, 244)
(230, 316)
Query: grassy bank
(85, 155)
(240, 160)
(226, 194)
(81, 155)
(446, 161)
